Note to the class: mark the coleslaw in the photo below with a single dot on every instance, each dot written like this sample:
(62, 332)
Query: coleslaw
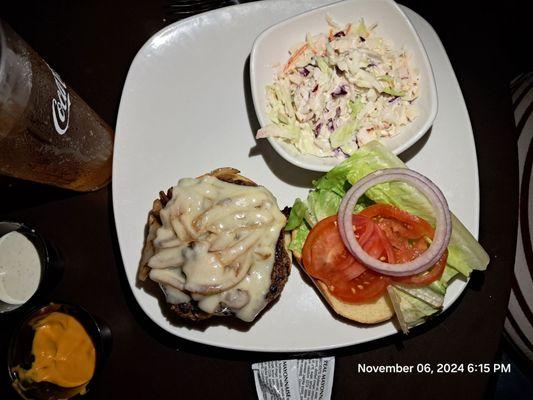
(341, 90)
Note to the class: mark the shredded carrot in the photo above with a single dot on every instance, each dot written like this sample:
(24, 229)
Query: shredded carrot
(293, 58)
(349, 29)
(330, 37)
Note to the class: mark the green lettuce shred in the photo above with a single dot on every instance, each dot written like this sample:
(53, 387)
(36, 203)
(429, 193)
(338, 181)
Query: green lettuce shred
(343, 134)
(323, 65)
(394, 92)
(297, 243)
(414, 311)
(298, 211)
(355, 107)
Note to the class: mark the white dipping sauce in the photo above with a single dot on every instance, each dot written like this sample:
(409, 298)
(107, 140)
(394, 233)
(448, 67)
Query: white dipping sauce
(20, 268)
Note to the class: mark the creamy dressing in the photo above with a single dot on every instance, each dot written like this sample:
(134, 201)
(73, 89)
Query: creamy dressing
(20, 268)
(217, 244)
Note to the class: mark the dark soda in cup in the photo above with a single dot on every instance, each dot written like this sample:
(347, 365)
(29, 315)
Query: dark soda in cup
(48, 134)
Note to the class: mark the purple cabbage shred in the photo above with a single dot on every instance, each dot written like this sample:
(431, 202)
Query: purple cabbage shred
(304, 72)
(330, 125)
(339, 153)
(317, 129)
(340, 91)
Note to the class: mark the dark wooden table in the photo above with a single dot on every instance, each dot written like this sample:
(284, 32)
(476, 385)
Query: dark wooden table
(91, 43)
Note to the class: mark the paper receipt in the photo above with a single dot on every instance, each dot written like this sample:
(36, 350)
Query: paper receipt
(305, 379)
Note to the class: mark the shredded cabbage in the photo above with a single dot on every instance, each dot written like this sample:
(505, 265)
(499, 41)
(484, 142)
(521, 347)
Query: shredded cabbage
(339, 91)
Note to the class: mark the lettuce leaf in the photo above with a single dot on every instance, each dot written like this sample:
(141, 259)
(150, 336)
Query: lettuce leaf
(297, 243)
(411, 310)
(296, 218)
(322, 204)
(441, 285)
(423, 293)
(412, 304)
(465, 253)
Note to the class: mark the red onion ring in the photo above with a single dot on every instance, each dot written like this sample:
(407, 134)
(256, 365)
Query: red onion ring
(443, 228)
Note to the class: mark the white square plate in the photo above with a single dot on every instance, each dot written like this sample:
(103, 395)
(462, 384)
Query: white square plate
(186, 109)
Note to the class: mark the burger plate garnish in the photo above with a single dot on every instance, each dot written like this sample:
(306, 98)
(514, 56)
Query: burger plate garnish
(378, 240)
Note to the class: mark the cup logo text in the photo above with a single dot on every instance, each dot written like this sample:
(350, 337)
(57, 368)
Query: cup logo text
(60, 106)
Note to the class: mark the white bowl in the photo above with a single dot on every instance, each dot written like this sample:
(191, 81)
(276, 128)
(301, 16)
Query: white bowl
(272, 46)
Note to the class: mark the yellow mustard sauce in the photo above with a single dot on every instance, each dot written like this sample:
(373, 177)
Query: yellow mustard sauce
(64, 353)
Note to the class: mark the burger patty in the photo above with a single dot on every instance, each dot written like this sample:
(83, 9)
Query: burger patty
(282, 261)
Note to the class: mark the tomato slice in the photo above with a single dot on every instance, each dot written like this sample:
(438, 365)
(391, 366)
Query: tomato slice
(326, 258)
(366, 287)
(384, 232)
(401, 222)
(407, 234)
(324, 253)
(426, 277)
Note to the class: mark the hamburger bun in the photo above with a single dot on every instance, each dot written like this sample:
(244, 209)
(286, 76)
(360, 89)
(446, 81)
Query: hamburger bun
(370, 312)
(190, 310)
